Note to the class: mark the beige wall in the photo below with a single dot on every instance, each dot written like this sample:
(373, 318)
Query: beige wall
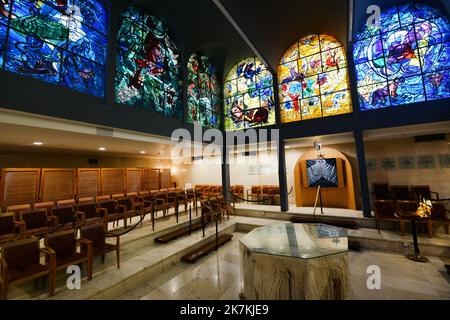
(438, 177)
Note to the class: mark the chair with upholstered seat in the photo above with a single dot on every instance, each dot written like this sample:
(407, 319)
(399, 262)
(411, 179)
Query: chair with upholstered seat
(97, 235)
(65, 245)
(381, 191)
(401, 192)
(17, 209)
(129, 208)
(113, 213)
(37, 223)
(64, 217)
(254, 194)
(10, 229)
(424, 191)
(385, 210)
(88, 213)
(439, 215)
(21, 261)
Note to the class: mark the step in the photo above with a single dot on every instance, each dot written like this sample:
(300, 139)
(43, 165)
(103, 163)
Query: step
(180, 232)
(348, 224)
(192, 256)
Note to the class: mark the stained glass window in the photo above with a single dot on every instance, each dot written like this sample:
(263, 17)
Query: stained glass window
(147, 66)
(204, 100)
(59, 41)
(313, 79)
(404, 60)
(248, 93)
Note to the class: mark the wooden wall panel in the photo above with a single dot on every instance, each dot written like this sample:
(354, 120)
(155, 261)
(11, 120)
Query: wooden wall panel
(57, 184)
(150, 179)
(134, 177)
(166, 179)
(112, 181)
(19, 186)
(88, 182)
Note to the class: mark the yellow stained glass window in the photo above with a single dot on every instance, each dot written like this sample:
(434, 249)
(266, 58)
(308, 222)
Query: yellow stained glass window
(313, 78)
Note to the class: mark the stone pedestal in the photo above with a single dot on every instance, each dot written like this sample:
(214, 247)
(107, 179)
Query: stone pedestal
(294, 262)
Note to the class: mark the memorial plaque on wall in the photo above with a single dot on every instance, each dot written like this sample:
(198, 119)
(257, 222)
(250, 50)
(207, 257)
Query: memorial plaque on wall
(112, 181)
(406, 162)
(426, 162)
(134, 180)
(371, 164)
(57, 184)
(166, 181)
(388, 163)
(19, 186)
(88, 182)
(150, 179)
(444, 160)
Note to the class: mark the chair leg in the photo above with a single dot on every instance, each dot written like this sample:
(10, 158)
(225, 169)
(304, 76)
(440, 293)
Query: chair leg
(51, 284)
(118, 256)
(402, 227)
(89, 269)
(430, 229)
(4, 290)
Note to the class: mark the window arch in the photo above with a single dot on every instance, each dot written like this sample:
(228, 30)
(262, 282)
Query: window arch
(405, 59)
(204, 102)
(62, 42)
(313, 79)
(147, 66)
(248, 93)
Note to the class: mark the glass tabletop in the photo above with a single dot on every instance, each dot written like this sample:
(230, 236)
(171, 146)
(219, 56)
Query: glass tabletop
(305, 241)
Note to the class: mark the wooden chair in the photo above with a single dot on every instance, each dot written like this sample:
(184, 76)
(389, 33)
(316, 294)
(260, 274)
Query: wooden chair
(17, 209)
(84, 200)
(182, 199)
(129, 208)
(37, 223)
(421, 191)
(48, 206)
(10, 229)
(99, 199)
(118, 196)
(381, 191)
(439, 215)
(113, 213)
(401, 192)
(170, 201)
(266, 192)
(97, 235)
(64, 217)
(88, 213)
(65, 244)
(405, 206)
(20, 262)
(239, 191)
(63, 203)
(385, 210)
(254, 194)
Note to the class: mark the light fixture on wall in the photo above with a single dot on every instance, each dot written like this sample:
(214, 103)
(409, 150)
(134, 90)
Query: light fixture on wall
(38, 143)
(318, 146)
(142, 152)
(102, 149)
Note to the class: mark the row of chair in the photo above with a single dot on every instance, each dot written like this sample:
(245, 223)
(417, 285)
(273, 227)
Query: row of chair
(42, 218)
(263, 192)
(384, 191)
(21, 260)
(389, 210)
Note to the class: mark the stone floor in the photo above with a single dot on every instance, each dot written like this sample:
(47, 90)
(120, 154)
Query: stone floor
(217, 277)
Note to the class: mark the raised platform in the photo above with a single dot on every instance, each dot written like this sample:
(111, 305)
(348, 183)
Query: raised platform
(143, 259)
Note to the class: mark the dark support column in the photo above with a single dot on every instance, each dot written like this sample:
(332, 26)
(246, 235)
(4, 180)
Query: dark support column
(365, 194)
(284, 198)
(226, 172)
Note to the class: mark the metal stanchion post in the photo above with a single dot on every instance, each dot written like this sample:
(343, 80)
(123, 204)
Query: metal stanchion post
(153, 216)
(217, 235)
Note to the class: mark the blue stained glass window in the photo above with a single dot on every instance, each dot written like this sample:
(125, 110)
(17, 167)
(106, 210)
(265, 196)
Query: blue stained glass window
(405, 60)
(147, 65)
(59, 41)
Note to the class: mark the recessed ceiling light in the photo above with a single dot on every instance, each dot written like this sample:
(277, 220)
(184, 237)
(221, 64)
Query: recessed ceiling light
(102, 149)
(37, 143)
(143, 152)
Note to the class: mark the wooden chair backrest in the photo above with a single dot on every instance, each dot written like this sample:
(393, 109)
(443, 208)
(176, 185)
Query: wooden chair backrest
(118, 196)
(7, 225)
(64, 243)
(22, 253)
(96, 234)
(384, 208)
(68, 202)
(100, 199)
(48, 206)
(86, 200)
(34, 218)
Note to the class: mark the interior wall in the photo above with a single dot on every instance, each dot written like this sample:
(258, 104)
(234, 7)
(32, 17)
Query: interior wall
(405, 162)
